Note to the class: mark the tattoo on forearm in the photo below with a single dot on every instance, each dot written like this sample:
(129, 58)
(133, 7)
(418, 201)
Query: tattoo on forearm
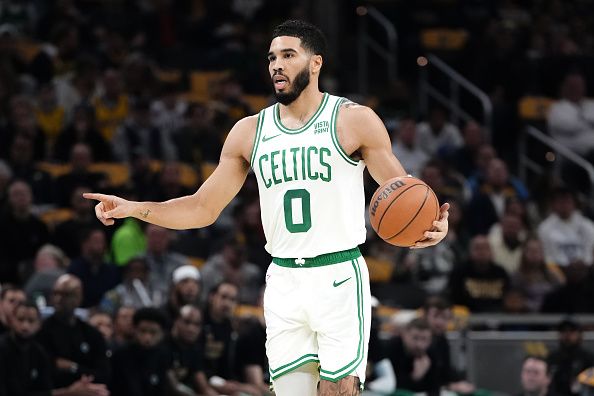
(145, 213)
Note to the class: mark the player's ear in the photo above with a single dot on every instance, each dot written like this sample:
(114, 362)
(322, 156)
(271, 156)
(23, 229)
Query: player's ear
(315, 63)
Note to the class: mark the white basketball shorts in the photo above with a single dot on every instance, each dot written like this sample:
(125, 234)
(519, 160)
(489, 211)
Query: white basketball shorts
(318, 310)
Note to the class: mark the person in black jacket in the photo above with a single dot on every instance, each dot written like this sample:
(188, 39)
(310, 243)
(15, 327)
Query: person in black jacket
(413, 361)
(75, 348)
(25, 368)
(141, 367)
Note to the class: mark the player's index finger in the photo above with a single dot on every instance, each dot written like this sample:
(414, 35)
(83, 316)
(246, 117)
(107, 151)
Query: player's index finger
(95, 196)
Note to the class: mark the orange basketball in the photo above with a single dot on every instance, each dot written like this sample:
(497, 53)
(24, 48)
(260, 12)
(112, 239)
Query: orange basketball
(402, 209)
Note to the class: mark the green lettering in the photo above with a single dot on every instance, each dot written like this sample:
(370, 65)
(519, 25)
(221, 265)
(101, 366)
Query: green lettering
(312, 176)
(274, 167)
(285, 177)
(303, 162)
(295, 150)
(328, 175)
(267, 182)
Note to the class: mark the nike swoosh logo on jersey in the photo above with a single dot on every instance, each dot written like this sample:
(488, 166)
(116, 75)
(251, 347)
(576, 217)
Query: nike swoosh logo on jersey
(336, 284)
(267, 138)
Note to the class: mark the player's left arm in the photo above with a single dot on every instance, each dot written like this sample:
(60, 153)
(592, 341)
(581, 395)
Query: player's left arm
(361, 131)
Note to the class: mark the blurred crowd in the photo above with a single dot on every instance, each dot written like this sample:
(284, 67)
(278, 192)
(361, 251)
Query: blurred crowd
(99, 96)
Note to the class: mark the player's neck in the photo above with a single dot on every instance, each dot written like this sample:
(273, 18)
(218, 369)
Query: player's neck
(305, 105)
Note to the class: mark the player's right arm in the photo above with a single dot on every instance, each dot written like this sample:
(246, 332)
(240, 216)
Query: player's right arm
(204, 206)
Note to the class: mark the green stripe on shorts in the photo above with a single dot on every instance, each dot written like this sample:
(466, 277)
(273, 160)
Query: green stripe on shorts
(334, 376)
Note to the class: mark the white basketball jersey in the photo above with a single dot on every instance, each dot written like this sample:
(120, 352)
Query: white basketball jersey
(311, 191)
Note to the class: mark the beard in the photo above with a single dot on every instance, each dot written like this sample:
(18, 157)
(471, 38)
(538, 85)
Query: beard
(300, 82)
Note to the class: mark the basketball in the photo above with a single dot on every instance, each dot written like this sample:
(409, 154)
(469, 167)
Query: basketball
(402, 209)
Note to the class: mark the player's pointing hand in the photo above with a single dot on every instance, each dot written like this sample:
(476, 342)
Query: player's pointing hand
(110, 207)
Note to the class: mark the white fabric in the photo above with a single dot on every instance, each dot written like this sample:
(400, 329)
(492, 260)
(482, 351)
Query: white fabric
(305, 171)
(385, 381)
(448, 138)
(572, 124)
(566, 241)
(309, 319)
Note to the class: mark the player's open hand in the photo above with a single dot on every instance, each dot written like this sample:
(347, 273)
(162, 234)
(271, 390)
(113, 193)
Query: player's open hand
(110, 207)
(439, 231)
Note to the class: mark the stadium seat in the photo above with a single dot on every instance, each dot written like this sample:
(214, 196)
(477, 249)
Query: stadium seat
(197, 262)
(53, 217)
(118, 174)
(534, 108)
(444, 39)
(257, 102)
(379, 270)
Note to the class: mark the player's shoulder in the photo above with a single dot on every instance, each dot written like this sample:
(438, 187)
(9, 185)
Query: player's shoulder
(353, 113)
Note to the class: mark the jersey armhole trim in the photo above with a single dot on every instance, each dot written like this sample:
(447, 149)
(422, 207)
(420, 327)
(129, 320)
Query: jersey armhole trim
(257, 136)
(333, 128)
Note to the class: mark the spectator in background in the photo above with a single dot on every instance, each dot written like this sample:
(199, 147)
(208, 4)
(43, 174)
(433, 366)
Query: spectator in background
(22, 122)
(458, 237)
(576, 295)
(566, 234)
(159, 257)
(22, 232)
(185, 289)
(534, 278)
(536, 377)
(571, 119)
(488, 201)
(230, 265)
(104, 324)
(97, 275)
(463, 158)
(80, 174)
(75, 89)
(217, 340)
(137, 132)
(56, 56)
(506, 238)
(67, 234)
(406, 149)
(447, 185)
(479, 283)
(483, 156)
(112, 107)
(123, 329)
(412, 360)
(82, 129)
(438, 137)
(142, 364)
(23, 167)
(50, 116)
(438, 314)
(186, 353)
(569, 359)
(10, 297)
(198, 141)
(168, 111)
(136, 290)
(5, 177)
(75, 348)
(50, 263)
(168, 183)
(25, 368)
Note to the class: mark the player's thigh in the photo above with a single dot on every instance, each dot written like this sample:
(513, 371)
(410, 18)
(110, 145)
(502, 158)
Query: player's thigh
(342, 322)
(347, 386)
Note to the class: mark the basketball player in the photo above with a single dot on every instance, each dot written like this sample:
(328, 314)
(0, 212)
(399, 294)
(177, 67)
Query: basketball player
(308, 153)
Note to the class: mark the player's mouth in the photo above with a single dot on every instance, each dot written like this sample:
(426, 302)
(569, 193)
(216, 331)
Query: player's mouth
(280, 81)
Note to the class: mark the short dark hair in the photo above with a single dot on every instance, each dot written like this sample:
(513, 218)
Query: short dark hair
(419, 324)
(437, 302)
(312, 38)
(9, 288)
(149, 314)
(29, 305)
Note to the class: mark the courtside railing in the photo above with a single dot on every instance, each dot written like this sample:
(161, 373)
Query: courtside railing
(451, 98)
(387, 52)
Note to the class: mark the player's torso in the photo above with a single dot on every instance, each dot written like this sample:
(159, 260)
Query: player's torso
(311, 191)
